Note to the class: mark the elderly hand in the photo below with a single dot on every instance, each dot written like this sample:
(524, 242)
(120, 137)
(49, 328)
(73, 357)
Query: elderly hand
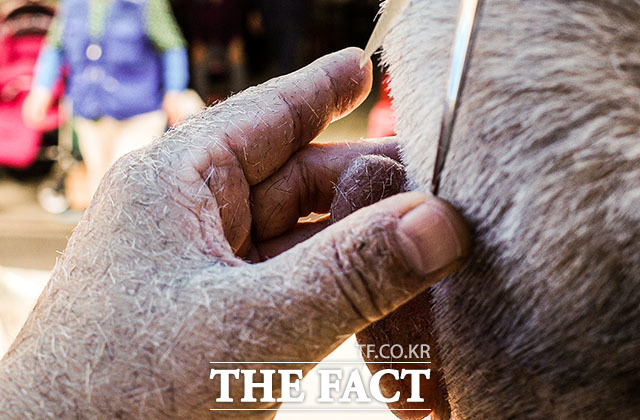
(155, 282)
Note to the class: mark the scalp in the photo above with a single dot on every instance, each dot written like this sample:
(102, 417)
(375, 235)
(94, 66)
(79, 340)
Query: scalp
(545, 164)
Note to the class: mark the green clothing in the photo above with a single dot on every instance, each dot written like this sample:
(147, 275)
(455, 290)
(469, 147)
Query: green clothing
(160, 25)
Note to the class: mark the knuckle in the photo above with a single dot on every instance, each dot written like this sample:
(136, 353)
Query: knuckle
(366, 263)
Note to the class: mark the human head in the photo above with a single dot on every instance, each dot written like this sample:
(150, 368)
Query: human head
(545, 164)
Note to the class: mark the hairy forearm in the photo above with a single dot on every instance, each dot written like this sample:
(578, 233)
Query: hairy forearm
(99, 355)
(37, 379)
(27, 392)
(119, 332)
(95, 342)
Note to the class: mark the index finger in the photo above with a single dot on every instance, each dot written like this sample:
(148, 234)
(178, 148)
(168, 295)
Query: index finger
(266, 124)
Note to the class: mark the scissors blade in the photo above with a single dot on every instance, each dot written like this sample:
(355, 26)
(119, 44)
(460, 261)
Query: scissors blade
(392, 9)
(459, 58)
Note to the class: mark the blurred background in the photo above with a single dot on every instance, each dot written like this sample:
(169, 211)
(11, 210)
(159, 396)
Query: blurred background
(229, 45)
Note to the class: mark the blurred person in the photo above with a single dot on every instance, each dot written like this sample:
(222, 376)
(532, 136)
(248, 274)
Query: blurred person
(128, 75)
(215, 29)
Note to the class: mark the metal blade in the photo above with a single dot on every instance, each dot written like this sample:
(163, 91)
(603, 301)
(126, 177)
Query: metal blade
(392, 9)
(459, 58)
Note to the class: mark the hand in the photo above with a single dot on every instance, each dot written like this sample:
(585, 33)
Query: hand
(35, 106)
(179, 105)
(368, 180)
(152, 285)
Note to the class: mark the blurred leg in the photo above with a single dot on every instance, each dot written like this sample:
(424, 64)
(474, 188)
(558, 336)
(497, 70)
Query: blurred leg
(95, 141)
(138, 131)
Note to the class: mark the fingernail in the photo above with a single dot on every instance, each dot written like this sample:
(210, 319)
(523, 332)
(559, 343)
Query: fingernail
(432, 236)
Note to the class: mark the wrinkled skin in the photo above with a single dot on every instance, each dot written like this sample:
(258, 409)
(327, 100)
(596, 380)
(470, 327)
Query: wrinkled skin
(156, 281)
(368, 180)
(410, 324)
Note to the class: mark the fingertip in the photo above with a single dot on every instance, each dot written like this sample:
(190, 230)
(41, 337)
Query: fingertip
(352, 75)
(458, 224)
(403, 203)
(385, 146)
(365, 67)
(364, 60)
(433, 235)
(359, 56)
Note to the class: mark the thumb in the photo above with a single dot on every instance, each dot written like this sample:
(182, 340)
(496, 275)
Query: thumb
(368, 264)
